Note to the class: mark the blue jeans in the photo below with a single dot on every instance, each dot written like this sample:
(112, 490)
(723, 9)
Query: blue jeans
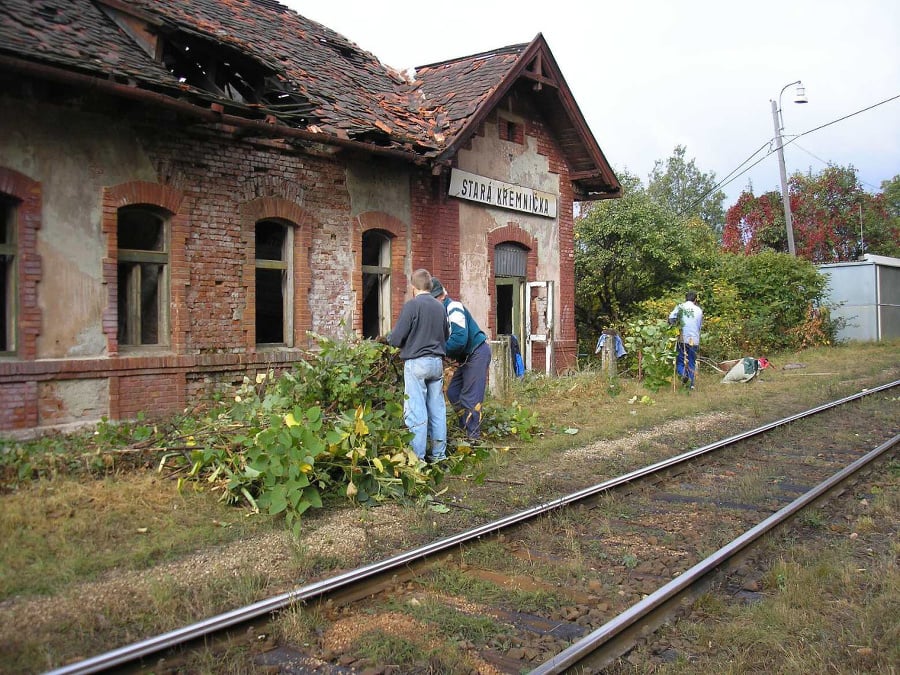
(686, 363)
(425, 411)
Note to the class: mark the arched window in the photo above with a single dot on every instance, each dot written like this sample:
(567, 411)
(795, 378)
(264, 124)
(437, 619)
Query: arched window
(376, 283)
(8, 255)
(274, 283)
(143, 276)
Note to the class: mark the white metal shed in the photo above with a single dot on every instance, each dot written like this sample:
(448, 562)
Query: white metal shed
(866, 294)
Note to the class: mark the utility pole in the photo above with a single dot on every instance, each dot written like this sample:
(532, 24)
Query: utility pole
(779, 145)
(785, 196)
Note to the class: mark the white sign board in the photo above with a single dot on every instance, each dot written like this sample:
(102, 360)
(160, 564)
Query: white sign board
(502, 195)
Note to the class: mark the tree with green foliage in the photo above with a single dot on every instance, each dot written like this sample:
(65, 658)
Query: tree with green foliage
(834, 219)
(626, 250)
(752, 305)
(891, 191)
(762, 304)
(686, 190)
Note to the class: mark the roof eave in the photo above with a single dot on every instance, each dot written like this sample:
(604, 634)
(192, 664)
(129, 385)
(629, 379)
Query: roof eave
(264, 127)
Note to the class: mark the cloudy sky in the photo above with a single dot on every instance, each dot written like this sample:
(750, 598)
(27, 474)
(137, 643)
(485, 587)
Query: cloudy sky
(652, 74)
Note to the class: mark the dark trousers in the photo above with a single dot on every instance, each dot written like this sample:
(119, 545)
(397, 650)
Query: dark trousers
(466, 390)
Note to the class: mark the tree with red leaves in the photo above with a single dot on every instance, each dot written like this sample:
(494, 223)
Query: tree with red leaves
(834, 219)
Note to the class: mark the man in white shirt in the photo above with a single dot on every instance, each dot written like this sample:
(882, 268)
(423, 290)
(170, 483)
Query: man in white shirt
(690, 317)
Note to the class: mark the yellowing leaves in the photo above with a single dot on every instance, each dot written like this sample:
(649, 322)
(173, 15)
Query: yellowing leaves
(361, 428)
(290, 420)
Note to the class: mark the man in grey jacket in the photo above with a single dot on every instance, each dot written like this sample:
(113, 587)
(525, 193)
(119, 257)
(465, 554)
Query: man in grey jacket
(421, 333)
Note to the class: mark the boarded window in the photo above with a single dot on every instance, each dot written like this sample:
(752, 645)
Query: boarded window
(510, 260)
(143, 261)
(376, 278)
(7, 274)
(274, 287)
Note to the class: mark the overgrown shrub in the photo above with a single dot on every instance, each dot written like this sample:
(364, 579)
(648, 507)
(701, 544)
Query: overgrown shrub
(330, 427)
(752, 305)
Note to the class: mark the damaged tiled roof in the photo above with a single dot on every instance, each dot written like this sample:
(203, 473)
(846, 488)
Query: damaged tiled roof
(259, 60)
(337, 87)
(454, 90)
(74, 34)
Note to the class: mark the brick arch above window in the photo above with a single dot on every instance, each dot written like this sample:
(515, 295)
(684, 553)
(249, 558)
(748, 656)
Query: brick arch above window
(134, 193)
(278, 208)
(510, 233)
(275, 207)
(143, 192)
(28, 194)
(396, 229)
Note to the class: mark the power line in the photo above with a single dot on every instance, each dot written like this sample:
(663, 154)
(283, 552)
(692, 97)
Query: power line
(841, 119)
(800, 147)
(725, 181)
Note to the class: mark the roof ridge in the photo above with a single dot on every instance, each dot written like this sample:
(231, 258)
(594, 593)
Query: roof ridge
(509, 49)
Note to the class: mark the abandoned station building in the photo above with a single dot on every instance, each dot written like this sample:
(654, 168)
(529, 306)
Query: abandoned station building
(188, 188)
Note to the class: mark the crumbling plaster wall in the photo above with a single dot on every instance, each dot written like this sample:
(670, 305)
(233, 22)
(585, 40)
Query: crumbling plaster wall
(520, 164)
(380, 186)
(73, 156)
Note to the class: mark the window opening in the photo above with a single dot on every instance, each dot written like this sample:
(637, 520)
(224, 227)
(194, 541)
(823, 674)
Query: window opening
(8, 253)
(143, 276)
(274, 285)
(376, 279)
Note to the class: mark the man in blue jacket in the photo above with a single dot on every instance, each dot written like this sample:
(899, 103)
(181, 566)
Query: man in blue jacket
(468, 346)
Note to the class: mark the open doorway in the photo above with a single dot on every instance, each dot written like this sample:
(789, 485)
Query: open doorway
(509, 281)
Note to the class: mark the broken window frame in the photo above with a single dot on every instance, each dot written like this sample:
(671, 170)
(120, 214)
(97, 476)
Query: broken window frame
(136, 263)
(380, 276)
(286, 266)
(9, 271)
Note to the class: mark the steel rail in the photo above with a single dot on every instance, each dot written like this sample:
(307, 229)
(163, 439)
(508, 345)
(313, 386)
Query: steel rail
(578, 651)
(171, 639)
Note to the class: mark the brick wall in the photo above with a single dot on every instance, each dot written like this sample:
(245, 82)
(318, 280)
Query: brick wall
(214, 189)
(18, 405)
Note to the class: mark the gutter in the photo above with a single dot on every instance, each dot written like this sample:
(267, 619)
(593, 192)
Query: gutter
(207, 114)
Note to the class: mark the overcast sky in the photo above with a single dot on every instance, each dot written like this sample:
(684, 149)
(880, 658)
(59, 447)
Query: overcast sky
(652, 74)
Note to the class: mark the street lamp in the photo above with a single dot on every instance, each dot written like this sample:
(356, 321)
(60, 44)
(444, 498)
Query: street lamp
(777, 118)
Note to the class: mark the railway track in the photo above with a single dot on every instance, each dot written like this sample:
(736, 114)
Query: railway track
(566, 585)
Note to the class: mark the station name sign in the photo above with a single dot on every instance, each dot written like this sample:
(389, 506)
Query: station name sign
(502, 195)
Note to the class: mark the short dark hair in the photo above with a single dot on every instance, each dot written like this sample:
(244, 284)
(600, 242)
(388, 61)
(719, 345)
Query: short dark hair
(690, 296)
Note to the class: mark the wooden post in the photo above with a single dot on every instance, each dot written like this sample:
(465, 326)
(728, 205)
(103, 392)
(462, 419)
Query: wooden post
(500, 370)
(608, 358)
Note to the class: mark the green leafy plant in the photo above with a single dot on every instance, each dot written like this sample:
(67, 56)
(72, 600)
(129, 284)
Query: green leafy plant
(330, 427)
(651, 347)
